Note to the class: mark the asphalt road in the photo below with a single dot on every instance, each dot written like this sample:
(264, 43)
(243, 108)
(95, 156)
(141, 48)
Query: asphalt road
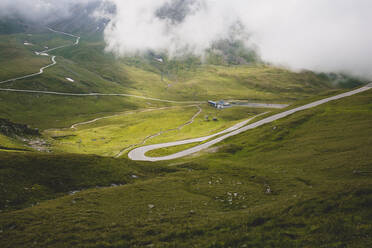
(44, 53)
(138, 154)
(54, 62)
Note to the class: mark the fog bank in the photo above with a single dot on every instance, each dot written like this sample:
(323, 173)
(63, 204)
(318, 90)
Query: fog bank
(321, 35)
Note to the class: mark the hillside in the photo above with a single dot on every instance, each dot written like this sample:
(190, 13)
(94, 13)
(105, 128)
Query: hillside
(302, 181)
(93, 70)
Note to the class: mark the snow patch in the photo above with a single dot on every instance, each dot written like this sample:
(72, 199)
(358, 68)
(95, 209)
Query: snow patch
(27, 44)
(41, 54)
(70, 79)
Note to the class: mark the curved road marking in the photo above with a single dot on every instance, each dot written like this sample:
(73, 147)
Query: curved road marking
(139, 153)
(194, 140)
(161, 132)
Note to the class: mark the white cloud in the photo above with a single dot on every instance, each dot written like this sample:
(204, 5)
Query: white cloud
(323, 35)
(38, 10)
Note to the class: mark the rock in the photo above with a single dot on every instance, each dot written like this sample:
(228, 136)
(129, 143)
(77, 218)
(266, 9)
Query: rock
(151, 206)
(134, 176)
(268, 190)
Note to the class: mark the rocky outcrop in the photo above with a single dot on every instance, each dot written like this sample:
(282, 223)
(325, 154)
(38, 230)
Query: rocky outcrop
(11, 129)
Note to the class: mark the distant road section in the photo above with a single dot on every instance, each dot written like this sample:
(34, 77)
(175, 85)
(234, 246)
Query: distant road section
(139, 153)
(260, 105)
(32, 75)
(54, 62)
(97, 94)
(45, 53)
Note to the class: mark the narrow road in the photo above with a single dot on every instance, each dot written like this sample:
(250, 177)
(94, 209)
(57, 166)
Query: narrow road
(34, 74)
(260, 105)
(98, 94)
(161, 133)
(43, 53)
(74, 126)
(139, 153)
(54, 62)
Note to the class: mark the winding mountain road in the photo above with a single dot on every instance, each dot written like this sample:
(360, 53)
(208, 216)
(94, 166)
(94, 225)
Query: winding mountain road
(44, 53)
(33, 74)
(98, 94)
(161, 133)
(138, 154)
(74, 126)
(54, 62)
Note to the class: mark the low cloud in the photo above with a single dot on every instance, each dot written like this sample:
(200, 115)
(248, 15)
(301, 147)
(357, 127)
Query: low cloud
(321, 35)
(38, 10)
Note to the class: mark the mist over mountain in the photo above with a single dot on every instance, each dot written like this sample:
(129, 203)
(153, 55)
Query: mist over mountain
(321, 35)
(176, 11)
(40, 11)
(82, 18)
(67, 15)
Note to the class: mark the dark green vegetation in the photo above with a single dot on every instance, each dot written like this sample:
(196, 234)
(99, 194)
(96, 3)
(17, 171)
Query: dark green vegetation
(27, 179)
(304, 181)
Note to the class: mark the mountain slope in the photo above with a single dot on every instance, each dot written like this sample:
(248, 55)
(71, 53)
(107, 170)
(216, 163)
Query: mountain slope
(302, 181)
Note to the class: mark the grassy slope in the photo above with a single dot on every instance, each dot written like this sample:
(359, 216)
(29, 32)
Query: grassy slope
(315, 163)
(96, 71)
(109, 136)
(46, 111)
(28, 178)
(9, 144)
(12, 55)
